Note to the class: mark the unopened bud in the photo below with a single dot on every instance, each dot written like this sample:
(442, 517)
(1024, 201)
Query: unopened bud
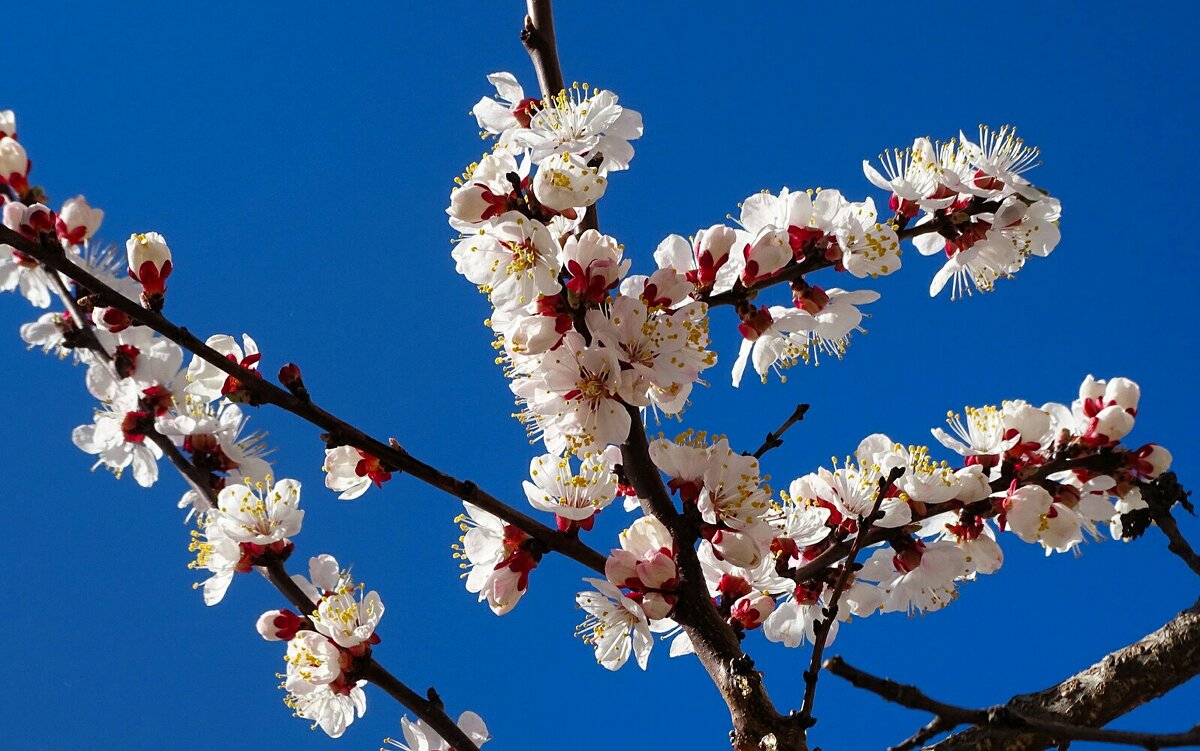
(278, 625)
(35, 221)
(14, 164)
(111, 320)
(1150, 461)
(77, 221)
(150, 265)
(753, 609)
(289, 376)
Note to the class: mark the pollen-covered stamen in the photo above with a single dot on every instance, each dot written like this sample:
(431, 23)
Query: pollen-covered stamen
(523, 256)
(1003, 150)
(591, 387)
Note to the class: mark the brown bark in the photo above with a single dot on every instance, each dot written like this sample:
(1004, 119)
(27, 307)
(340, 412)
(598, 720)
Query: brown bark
(1119, 683)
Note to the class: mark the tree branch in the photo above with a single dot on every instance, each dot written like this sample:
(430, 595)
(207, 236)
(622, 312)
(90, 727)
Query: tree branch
(1160, 495)
(1122, 681)
(796, 269)
(829, 614)
(265, 392)
(756, 722)
(775, 440)
(431, 712)
(949, 716)
(541, 44)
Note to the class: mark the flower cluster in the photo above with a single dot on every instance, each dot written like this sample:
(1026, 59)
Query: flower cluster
(329, 648)
(586, 346)
(150, 404)
(1052, 475)
(972, 202)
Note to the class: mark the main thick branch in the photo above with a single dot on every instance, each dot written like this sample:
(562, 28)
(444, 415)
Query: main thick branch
(1117, 684)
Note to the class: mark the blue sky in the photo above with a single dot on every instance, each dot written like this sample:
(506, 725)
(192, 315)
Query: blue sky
(298, 159)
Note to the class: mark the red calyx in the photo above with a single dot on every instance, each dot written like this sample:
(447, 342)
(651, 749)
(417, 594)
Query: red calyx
(525, 109)
(570, 525)
(156, 399)
(903, 206)
(286, 624)
(135, 425)
(371, 467)
(755, 321)
(732, 587)
(38, 222)
(125, 359)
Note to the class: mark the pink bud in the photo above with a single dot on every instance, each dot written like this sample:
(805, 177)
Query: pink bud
(769, 252)
(1150, 461)
(657, 605)
(737, 548)
(1122, 392)
(278, 625)
(149, 264)
(289, 376)
(14, 164)
(35, 220)
(78, 221)
(111, 320)
(753, 609)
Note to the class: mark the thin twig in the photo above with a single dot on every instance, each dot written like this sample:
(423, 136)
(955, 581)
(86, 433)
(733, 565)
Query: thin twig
(829, 614)
(1161, 495)
(775, 440)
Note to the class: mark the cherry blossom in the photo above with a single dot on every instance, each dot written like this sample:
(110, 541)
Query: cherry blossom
(347, 618)
(261, 514)
(573, 498)
(207, 382)
(117, 435)
(351, 472)
(498, 564)
(512, 258)
(420, 737)
(615, 626)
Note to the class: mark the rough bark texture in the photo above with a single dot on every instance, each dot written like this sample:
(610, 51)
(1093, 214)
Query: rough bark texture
(1121, 682)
